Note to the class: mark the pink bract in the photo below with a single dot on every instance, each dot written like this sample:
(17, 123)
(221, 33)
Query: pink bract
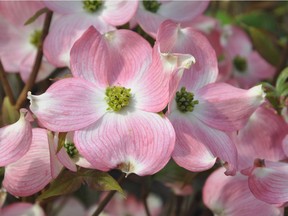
(200, 133)
(32, 172)
(230, 195)
(17, 51)
(134, 138)
(172, 10)
(23, 209)
(15, 139)
(74, 20)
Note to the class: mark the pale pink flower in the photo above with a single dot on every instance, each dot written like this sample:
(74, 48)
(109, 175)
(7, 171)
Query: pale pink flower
(32, 172)
(230, 195)
(261, 137)
(268, 179)
(130, 205)
(249, 68)
(15, 139)
(150, 14)
(119, 84)
(76, 17)
(23, 209)
(19, 43)
(67, 206)
(209, 108)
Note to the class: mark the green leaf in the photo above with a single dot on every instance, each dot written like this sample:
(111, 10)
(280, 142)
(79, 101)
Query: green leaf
(173, 173)
(282, 81)
(223, 17)
(9, 114)
(66, 183)
(101, 181)
(258, 19)
(36, 15)
(264, 45)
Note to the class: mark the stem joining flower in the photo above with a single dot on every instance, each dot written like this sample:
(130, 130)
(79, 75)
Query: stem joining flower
(151, 6)
(71, 149)
(117, 97)
(35, 38)
(92, 6)
(240, 63)
(185, 100)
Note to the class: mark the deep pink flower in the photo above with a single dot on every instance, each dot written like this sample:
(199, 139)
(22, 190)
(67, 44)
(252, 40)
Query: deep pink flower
(150, 14)
(202, 110)
(15, 139)
(230, 195)
(76, 17)
(119, 84)
(18, 43)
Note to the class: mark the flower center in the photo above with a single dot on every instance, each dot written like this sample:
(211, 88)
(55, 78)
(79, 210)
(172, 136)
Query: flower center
(240, 63)
(92, 6)
(185, 100)
(117, 97)
(151, 6)
(35, 38)
(71, 149)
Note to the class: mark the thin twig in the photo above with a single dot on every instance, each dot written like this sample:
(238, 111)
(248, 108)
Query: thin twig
(28, 86)
(109, 196)
(145, 193)
(6, 85)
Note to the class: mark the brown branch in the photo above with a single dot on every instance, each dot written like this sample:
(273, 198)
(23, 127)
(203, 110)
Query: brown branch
(6, 85)
(36, 67)
(107, 199)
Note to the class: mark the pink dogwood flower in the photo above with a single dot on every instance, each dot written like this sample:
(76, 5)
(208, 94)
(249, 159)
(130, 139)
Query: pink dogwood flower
(15, 139)
(230, 195)
(119, 84)
(32, 172)
(261, 137)
(150, 14)
(23, 209)
(19, 43)
(76, 17)
(248, 67)
(202, 110)
(268, 179)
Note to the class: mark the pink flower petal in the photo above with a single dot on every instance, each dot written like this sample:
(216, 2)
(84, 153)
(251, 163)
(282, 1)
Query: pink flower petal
(198, 145)
(117, 56)
(23, 209)
(269, 183)
(227, 195)
(15, 139)
(148, 21)
(174, 39)
(32, 172)
(18, 12)
(63, 7)
(63, 34)
(119, 12)
(261, 137)
(225, 107)
(136, 142)
(68, 105)
(184, 11)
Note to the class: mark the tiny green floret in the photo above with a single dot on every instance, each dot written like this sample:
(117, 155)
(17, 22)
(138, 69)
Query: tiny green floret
(92, 6)
(35, 37)
(117, 97)
(185, 100)
(240, 63)
(71, 149)
(151, 5)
